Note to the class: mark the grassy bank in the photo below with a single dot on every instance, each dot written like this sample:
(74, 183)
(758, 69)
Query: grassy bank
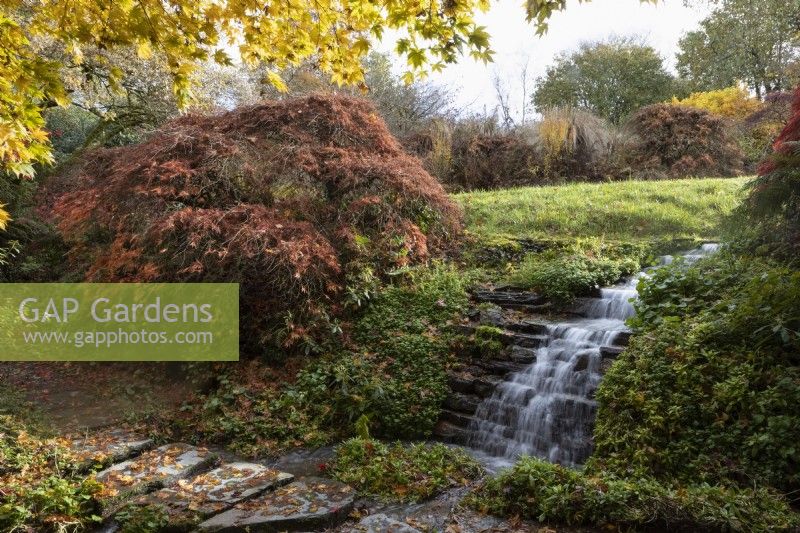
(629, 210)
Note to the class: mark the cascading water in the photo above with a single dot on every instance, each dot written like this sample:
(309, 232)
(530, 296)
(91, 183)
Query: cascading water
(547, 409)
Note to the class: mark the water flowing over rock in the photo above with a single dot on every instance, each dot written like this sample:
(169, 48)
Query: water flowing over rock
(547, 409)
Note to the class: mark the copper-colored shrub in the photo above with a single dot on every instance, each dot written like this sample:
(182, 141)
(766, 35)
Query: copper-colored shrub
(677, 141)
(292, 199)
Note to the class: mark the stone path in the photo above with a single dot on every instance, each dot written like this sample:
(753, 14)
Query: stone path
(195, 491)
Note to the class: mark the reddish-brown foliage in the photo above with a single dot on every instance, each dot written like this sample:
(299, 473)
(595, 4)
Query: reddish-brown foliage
(783, 147)
(676, 141)
(494, 161)
(777, 107)
(791, 132)
(774, 199)
(290, 198)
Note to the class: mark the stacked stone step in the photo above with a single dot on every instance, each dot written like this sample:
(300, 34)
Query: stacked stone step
(512, 299)
(476, 382)
(198, 492)
(521, 335)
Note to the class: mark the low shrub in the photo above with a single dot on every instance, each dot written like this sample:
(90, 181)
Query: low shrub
(249, 411)
(402, 472)
(487, 342)
(496, 161)
(565, 145)
(295, 200)
(575, 145)
(680, 291)
(732, 102)
(578, 270)
(32, 251)
(396, 377)
(758, 131)
(538, 490)
(143, 519)
(676, 141)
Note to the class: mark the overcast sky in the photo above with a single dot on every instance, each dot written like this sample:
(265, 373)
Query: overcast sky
(514, 41)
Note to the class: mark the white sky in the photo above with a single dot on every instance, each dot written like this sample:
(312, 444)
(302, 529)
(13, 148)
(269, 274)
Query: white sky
(513, 40)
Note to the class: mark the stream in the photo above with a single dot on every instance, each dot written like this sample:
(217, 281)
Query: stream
(547, 409)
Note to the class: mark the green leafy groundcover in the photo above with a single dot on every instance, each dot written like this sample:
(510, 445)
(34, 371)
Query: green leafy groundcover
(392, 372)
(709, 390)
(697, 422)
(402, 472)
(538, 490)
(40, 488)
(577, 269)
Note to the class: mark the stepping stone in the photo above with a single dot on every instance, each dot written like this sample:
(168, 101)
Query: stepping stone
(306, 505)
(380, 523)
(622, 338)
(509, 298)
(154, 469)
(108, 447)
(191, 501)
(492, 317)
(484, 386)
(530, 341)
(464, 329)
(502, 368)
(459, 383)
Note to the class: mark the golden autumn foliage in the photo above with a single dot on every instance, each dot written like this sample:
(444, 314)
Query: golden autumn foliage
(335, 35)
(733, 102)
(4, 217)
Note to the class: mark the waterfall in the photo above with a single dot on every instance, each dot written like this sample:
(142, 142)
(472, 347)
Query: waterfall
(548, 408)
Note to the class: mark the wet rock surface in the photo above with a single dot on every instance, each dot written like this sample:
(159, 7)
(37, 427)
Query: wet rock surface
(251, 497)
(185, 484)
(191, 501)
(108, 446)
(381, 523)
(537, 384)
(154, 469)
(504, 384)
(306, 505)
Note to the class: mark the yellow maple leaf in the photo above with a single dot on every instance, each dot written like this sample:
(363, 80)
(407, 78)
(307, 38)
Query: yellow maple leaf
(4, 217)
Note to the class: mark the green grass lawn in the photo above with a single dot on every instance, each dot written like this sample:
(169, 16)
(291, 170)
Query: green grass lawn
(628, 210)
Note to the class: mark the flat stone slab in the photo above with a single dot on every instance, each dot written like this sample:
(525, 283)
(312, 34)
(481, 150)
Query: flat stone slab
(450, 433)
(191, 501)
(380, 523)
(154, 469)
(106, 447)
(306, 505)
(611, 351)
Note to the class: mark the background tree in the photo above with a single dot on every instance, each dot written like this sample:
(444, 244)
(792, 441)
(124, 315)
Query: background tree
(757, 43)
(406, 107)
(610, 78)
(336, 34)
